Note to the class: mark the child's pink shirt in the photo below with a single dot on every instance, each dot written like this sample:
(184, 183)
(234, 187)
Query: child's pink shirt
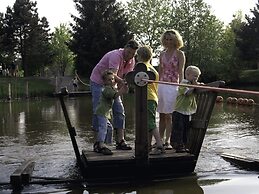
(112, 60)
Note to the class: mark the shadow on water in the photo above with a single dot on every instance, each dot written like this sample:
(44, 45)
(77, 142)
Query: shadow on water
(37, 129)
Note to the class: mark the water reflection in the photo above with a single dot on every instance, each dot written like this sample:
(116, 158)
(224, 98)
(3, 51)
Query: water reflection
(186, 185)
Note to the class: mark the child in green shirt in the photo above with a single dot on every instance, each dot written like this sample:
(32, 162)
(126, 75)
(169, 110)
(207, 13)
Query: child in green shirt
(104, 110)
(185, 106)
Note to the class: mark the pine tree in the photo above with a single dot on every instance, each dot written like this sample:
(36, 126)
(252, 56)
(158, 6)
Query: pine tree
(32, 36)
(7, 40)
(248, 40)
(100, 27)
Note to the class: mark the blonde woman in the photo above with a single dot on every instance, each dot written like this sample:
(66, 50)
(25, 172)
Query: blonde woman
(171, 69)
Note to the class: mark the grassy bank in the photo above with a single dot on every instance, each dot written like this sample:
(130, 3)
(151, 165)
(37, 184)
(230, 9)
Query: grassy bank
(25, 87)
(249, 76)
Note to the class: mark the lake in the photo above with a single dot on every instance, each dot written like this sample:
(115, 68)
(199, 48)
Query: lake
(36, 129)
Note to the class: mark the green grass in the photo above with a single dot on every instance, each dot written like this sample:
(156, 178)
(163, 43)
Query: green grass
(249, 76)
(37, 87)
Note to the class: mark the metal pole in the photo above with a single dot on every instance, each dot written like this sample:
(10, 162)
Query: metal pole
(71, 130)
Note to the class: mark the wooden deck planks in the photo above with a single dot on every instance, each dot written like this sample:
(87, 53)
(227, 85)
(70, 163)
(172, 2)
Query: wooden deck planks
(92, 156)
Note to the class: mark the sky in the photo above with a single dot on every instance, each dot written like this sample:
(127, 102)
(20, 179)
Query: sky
(59, 11)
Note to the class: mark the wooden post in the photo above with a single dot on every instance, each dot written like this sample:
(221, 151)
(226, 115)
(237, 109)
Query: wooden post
(56, 84)
(22, 175)
(9, 91)
(27, 89)
(141, 142)
(71, 129)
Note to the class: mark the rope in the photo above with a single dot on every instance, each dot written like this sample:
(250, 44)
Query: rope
(206, 87)
(81, 80)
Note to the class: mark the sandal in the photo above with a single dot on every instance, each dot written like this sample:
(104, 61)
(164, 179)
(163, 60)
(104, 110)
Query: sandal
(123, 146)
(167, 146)
(103, 150)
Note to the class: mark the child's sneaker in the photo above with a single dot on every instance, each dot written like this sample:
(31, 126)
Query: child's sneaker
(157, 151)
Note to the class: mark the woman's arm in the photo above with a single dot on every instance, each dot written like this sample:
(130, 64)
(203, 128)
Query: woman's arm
(160, 66)
(182, 60)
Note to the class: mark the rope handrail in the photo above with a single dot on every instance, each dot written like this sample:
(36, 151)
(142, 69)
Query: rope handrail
(206, 87)
(81, 80)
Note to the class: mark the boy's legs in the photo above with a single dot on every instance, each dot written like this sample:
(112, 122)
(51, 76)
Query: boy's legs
(177, 133)
(108, 139)
(186, 129)
(96, 90)
(179, 126)
(102, 129)
(151, 109)
(99, 145)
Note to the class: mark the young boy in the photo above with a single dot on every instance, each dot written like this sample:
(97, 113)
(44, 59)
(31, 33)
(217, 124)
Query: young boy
(184, 108)
(104, 110)
(144, 55)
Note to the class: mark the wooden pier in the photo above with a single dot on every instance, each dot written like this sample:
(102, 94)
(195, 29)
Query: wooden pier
(137, 165)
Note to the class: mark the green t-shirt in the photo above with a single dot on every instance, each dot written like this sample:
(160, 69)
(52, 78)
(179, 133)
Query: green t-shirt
(185, 104)
(104, 107)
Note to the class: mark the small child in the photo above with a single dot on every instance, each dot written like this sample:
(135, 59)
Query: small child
(144, 55)
(185, 106)
(104, 110)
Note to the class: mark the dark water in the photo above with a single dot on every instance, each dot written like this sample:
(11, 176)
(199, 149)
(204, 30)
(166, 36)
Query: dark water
(36, 129)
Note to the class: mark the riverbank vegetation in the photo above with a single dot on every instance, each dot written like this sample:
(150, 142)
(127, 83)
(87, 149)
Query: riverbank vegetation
(226, 52)
(21, 88)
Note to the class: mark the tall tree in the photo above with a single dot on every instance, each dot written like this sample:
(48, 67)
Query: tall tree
(63, 58)
(248, 40)
(230, 64)
(101, 26)
(202, 33)
(32, 36)
(148, 19)
(7, 40)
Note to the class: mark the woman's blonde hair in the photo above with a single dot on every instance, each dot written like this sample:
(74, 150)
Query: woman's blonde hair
(177, 37)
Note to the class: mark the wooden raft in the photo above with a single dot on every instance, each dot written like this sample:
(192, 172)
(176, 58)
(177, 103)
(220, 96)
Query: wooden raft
(138, 165)
(122, 166)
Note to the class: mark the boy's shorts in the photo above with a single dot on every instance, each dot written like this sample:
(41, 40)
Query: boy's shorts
(151, 115)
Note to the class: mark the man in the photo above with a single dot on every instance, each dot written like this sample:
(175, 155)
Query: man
(120, 61)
